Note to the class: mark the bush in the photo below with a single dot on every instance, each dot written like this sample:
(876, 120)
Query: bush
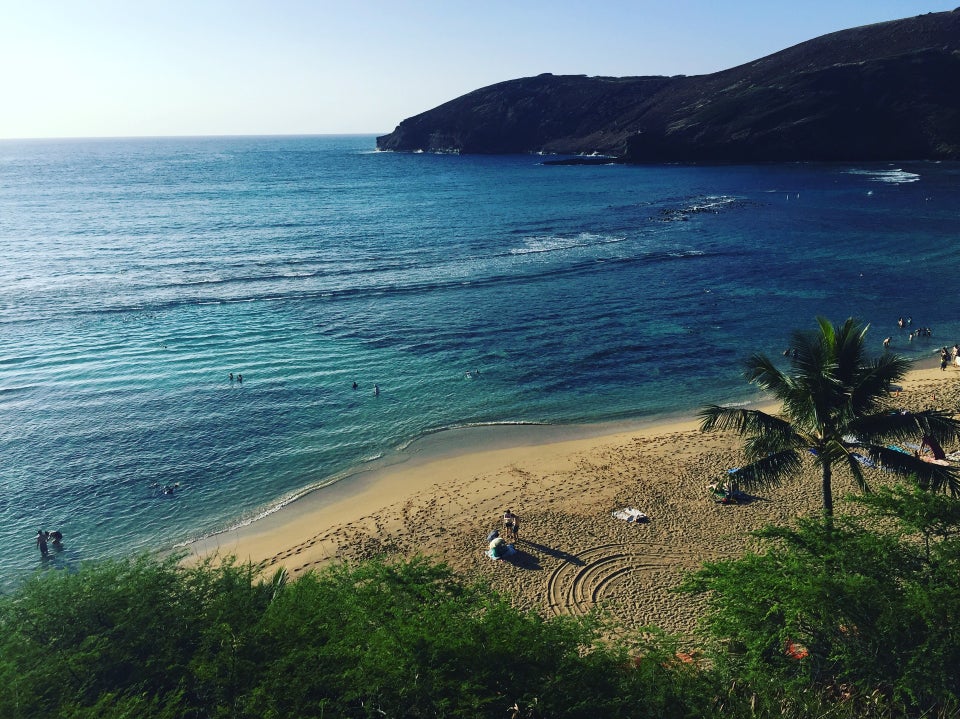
(151, 638)
(859, 611)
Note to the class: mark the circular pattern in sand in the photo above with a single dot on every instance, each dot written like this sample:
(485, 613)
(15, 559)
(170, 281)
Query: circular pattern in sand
(612, 572)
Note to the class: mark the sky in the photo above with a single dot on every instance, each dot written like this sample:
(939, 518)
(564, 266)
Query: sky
(120, 68)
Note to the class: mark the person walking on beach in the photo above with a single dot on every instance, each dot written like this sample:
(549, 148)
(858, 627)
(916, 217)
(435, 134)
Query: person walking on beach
(42, 542)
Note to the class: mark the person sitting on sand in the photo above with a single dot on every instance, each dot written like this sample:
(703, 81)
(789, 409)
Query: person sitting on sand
(499, 549)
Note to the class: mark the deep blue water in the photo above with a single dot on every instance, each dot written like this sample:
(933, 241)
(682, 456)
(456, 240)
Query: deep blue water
(136, 274)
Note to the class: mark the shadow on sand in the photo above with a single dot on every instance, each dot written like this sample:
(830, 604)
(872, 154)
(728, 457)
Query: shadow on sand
(549, 551)
(740, 498)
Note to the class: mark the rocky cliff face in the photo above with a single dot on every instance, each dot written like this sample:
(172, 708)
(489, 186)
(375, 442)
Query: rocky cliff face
(878, 92)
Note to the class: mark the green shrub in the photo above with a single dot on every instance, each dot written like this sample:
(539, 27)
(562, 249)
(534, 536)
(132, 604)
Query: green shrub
(151, 638)
(862, 611)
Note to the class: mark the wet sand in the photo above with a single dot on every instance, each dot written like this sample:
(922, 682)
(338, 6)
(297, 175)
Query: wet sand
(572, 553)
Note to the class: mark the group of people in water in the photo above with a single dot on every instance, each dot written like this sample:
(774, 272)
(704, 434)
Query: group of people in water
(43, 538)
(376, 389)
(912, 334)
(497, 546)
(919, 332)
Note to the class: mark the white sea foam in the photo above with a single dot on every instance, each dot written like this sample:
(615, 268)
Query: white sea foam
(553, 243)
(894, 176)
(711, 202)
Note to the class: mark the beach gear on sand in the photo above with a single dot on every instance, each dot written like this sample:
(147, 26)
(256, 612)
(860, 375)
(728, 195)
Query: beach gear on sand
(863, 459)
(629, 514)
(500, 549)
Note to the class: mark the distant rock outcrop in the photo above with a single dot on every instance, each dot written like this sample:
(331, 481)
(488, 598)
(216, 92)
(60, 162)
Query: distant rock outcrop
(878, 92)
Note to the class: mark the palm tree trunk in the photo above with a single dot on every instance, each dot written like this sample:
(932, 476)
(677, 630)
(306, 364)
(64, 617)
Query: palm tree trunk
(827, 493)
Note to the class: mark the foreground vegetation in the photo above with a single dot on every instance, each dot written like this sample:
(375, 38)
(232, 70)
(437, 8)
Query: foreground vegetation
(150, 638)
(857, 618)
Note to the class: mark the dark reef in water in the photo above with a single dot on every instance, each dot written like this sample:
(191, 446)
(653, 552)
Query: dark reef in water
(878, 92)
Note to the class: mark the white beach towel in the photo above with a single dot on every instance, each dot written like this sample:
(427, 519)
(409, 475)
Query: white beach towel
(629, 514)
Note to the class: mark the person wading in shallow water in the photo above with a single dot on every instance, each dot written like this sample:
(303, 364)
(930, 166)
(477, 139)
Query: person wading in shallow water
(42, 542)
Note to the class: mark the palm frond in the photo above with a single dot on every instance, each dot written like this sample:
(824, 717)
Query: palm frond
(848, 350)
(884, 427)
(761, 371)
(761, 444)
(872, 384)
(938, 478)
(817, 392)
(769, 470)
(929, 476)
(938, 424)
(853, 465)
(742, 421)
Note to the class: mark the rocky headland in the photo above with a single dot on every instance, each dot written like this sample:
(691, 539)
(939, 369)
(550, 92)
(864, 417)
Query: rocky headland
(886, 91)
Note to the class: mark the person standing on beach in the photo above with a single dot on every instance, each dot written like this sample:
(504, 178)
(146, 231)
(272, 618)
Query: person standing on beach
(511, 524)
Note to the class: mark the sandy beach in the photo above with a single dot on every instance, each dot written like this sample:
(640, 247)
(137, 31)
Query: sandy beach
(572, 553)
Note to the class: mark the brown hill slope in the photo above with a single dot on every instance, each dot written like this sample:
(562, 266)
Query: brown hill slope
(883, 91)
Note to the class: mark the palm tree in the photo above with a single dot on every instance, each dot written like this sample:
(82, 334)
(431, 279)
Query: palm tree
(836, 407)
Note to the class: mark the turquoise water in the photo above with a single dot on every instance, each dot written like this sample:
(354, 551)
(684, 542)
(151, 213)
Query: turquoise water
(135, 275)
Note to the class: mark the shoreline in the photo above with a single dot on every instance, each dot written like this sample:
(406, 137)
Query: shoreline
(445, 443)
(457, 444)
(444, 498)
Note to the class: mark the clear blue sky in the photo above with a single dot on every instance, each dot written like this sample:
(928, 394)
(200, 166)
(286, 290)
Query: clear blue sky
(104, 68)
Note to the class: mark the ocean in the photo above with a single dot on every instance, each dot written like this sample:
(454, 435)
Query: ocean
(137, 274)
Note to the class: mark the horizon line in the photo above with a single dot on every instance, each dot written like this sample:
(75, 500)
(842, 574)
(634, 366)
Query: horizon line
(189, 136)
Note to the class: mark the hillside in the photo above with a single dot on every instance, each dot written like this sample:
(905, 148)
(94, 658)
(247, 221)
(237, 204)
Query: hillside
(877, 92)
